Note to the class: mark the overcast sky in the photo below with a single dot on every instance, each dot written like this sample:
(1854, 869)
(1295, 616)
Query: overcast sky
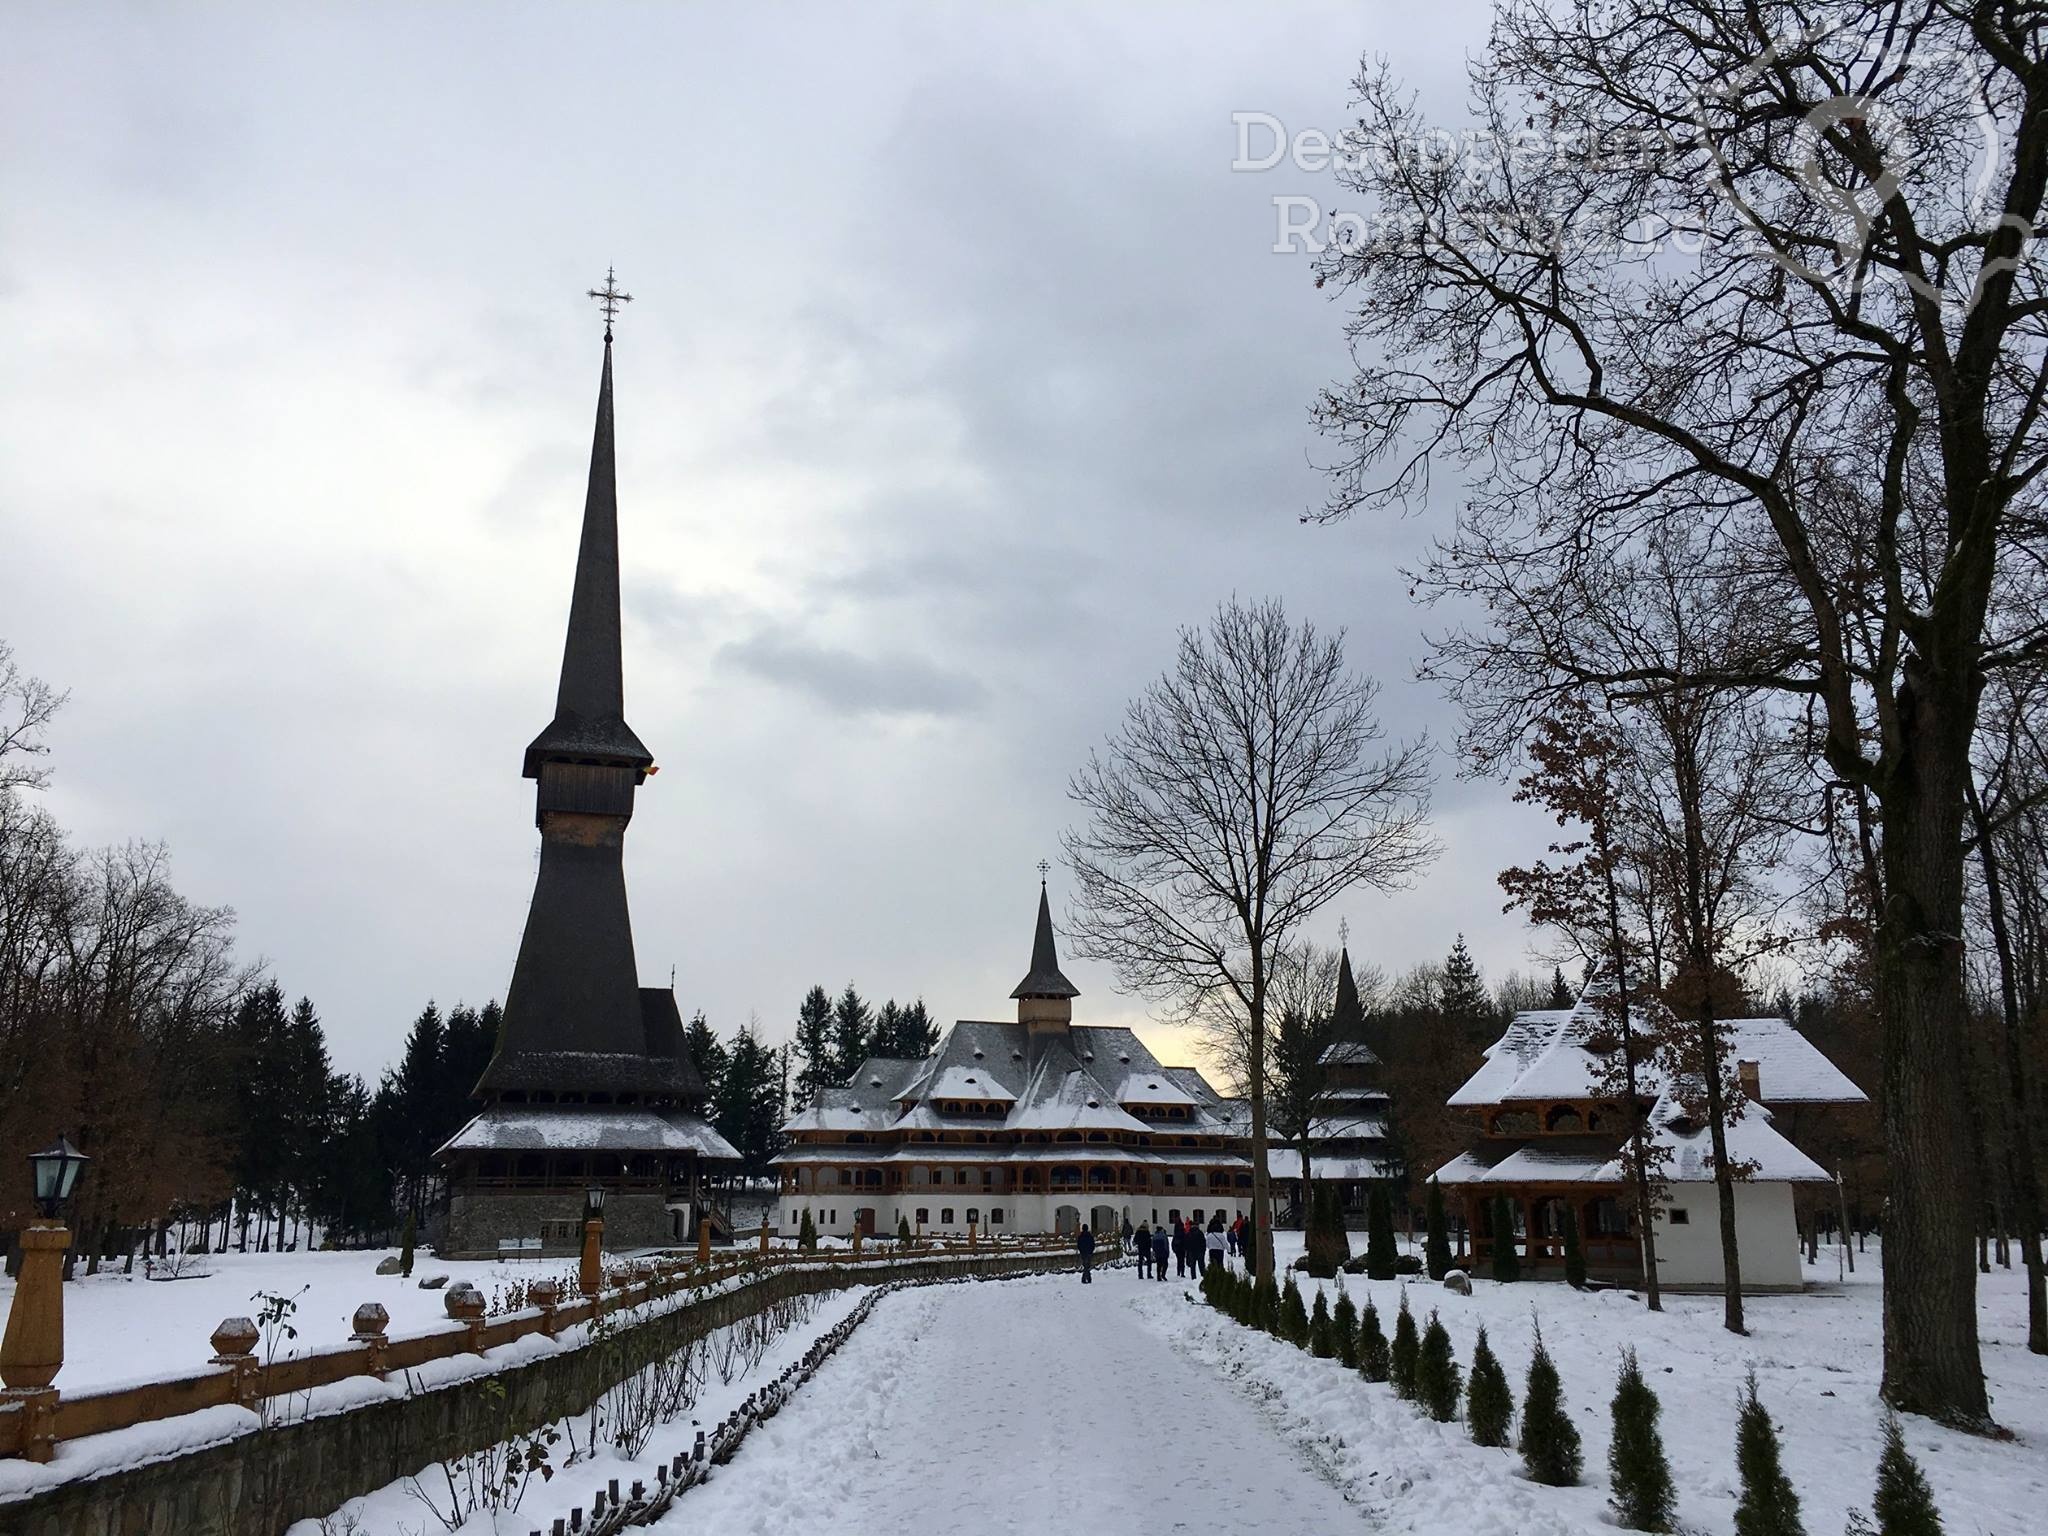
(960, 374)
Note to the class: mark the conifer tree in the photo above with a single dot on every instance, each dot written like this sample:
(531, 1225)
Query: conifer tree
(1322, 1335)
(1407, 1349)
(1381, 1257)
(1506, 1265)
(1574, 1254)
(405, 1243)
(852, 1026)
(902, 1228)
(1436, 1373)
(706, 1053)
(1266, 1306)
(1344, 1324)
(1436, 1248)
(1550, 1441)
(1326, 1246)
(1560, 994)
(807, 1233)
(1375, 1360)
(816, 1068)
(1768, 1506)
(1293, 1315)
(1905, 1504)
(1639, 1477)
(1489, 1404)
(1463, 998)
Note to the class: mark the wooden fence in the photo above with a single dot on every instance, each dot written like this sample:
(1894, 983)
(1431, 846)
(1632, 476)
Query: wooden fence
(237, 1376)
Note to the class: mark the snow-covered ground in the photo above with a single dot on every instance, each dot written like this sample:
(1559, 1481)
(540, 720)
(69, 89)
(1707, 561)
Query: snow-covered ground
(120, 1328)
(1037, 1405)
(1817, 1359)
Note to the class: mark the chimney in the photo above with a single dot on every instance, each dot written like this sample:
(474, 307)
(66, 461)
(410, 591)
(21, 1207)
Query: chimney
(1750, 1075)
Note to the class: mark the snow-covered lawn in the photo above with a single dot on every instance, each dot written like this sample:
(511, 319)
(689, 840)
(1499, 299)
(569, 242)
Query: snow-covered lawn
(1817, 1361)
(120, 1329)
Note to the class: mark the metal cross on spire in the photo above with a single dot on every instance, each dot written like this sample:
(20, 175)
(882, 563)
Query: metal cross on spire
(609, 298)
(1044, 869)
(1344, 932)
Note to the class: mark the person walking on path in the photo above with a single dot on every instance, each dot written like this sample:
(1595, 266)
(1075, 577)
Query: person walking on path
(1180, 1248)
(1144, 1250)
(1159, 1245)
(1127, 1234)
(1215, 1241)
(1086, 1243)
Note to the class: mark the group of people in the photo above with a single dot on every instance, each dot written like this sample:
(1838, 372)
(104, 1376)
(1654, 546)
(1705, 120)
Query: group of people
(1190, 1245)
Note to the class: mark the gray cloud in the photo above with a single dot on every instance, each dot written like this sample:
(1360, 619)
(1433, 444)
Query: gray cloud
(851, 684)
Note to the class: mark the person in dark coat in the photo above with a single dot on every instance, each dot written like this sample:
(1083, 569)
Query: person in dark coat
(1180, 1248)
(1160, 1240)
(1127, 1233)
(1086, 1243)
(1144, 1243)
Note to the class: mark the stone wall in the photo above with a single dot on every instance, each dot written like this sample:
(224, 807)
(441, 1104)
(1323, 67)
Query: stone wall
(259, 1483)
(632, 1219)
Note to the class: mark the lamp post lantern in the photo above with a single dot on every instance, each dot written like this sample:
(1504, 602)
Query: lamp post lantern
(590, 1277)
(32, 1351)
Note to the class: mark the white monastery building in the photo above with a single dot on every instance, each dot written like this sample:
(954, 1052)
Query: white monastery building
(1552, 1126)
(1033, 1126)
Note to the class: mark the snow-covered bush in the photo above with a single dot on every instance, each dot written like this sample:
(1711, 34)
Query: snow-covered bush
(1322, 1338)
(1374, 1358)
(1344, 1324)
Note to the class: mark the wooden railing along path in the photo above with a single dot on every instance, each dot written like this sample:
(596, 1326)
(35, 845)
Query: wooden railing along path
(237, 1376)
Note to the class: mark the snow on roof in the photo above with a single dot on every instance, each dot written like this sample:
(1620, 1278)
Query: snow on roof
(1348, 1128)
(587, 1128)
(1285, 1163)
(1350, 1053)
(960, 1082)
(1153, 1087)
(1063, 1095)
(1543, 1057)
(1754, 1145)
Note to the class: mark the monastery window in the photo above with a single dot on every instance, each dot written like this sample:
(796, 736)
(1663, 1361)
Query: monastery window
(1068, 1136)
(1605, 1218)
(1562, 1117)
(1098, 1136)
(530, 1166)
(856, 1138)
(974, 1215)
(945, 1215)
(981, 1138)
(1064, 1178)
(920, 1176)
(995, 1216)
(1514, 1122)
(1594, 1120)
(923, 1215)
(1244, 1181)
(871, 1177)
(1679, 1216)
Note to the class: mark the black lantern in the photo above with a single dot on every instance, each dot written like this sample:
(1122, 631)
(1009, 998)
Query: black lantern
(56, 1168)
(593, 1201)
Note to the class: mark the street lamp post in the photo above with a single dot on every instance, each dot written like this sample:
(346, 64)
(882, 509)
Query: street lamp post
(591, 1276)
(32, 1351)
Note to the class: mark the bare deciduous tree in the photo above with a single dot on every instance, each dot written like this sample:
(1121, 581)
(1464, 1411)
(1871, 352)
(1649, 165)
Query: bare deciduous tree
(1772, 274)
(1240, 796)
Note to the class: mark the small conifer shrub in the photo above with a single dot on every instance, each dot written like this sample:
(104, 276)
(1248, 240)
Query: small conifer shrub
(1326, 1246)
(1344, 1323)
(406, 1239)
(1905, 1504)
(1436, 1373)
(807, 1234)
(1406, 1351)
(1436, 1247)
(1639, 1477)
(1266, 1306)
(1375, 1360)
(902, 1228)
(1550, 1441)
(1322, 1334)
(1293, 1315)
(1768, 1506)
(1489, 1404)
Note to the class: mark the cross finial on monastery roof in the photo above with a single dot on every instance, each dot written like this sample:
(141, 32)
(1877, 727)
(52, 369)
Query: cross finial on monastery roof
(1044, 869)
(609, 298)
(1343, 933)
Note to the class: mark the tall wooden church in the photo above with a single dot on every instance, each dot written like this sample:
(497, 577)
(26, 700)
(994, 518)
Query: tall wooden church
(1033, 1126)
(590, 1084)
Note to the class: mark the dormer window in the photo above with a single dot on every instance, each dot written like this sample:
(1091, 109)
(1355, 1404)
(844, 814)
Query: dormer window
(1124, 1057)
(977, 1057)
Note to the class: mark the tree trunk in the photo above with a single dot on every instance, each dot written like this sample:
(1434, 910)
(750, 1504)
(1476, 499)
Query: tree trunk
(1724, 1175)
(2023, 1171)
(1931, 1360)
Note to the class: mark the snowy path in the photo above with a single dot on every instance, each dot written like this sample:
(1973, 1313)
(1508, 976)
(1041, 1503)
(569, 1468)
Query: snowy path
(1025, 1406)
